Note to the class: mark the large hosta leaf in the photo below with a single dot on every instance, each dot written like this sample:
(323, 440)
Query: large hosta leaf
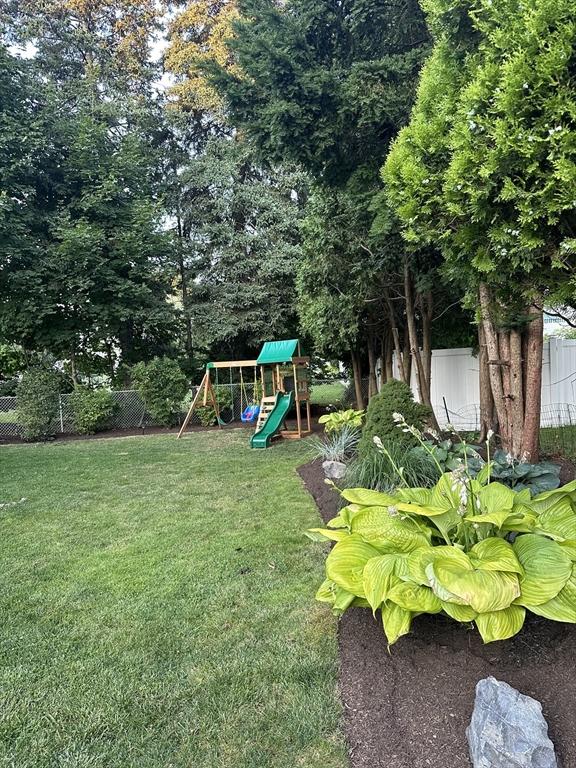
(389, 532)
(563, 606)
(367, 498)
(559, 520)
(457, 612)
(495, 498)
(483, 591)
(420, 558)
(380, 575)
(325, 592)
(547, 568)
(569, 547)
(500, 625)
(327, 534)
(413, 597)
(396, 621)
(495, 555)
(345, 563)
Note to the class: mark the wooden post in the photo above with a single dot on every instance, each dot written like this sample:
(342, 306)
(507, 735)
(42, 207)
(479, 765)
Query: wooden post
(297, 399)
(263, 378)
(192, 406)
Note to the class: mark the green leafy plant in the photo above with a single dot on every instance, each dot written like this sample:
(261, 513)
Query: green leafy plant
(92, 409)
(519, 475)
(163, 386)
(338, 445)
(335, 421)
(207, 414)
(473, 549)
(395, 396)
(379, 471)
(37, 402)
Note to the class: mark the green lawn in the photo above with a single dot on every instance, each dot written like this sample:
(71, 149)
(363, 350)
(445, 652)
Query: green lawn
(327, 394)
(157, 605)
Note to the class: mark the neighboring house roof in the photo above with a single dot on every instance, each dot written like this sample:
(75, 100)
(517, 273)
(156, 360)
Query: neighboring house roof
(278, 351)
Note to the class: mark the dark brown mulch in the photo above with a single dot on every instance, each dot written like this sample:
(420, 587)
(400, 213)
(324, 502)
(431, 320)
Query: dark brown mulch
(409, 708)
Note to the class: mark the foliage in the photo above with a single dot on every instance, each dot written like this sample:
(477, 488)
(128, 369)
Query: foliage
(519, 475)
(37, 402)
(207, 414)
(335, 421)
(143, 582)
(338, 445)
(394, 397)
(92, 409)
(476, 552)
(452, 454)
(163, 386)
(243, 223)
(382, 471)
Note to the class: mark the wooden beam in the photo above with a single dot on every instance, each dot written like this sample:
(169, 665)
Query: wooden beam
(234, 364)
(192, 406)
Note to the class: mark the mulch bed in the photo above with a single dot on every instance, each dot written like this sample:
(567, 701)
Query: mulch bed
(409, 708)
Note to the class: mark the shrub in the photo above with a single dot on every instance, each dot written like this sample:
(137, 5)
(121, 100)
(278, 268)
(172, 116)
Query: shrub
(207, 414)
(477, 552)
(379, 471)
(340, 445)
(37, 402)
(338, 419)
(163, 386)
(92, 409)
(394, 397)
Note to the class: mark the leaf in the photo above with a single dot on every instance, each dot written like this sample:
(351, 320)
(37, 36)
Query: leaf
(482, 590)
(342, 600)
(563, 606)
(417, 509)
(345, 563)
(500, 625)
(420, 558)
(415, 598)
(337, 522)
(495, 555)
(569, 547)
(546, 565)
(461, 613)
(380, 574)
(559, 520)
(325, 592)
(367, 498)
(492, 518)
(388, 532)
(326, 534)
(496, 497)
(396, 621)
(544, 501)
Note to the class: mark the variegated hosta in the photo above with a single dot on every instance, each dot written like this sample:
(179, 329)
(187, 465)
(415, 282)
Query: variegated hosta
(480, 553)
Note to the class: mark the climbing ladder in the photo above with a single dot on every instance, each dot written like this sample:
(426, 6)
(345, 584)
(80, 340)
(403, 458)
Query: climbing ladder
(266, 407)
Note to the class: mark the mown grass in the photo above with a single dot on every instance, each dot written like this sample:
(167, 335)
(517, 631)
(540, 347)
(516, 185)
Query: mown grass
(327, 394)
(157, 603)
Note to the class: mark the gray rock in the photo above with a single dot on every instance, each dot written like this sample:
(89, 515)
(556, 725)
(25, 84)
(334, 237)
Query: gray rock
(508, 729)
(335, 470)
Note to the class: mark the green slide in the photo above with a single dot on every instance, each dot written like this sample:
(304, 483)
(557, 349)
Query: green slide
(261, 438)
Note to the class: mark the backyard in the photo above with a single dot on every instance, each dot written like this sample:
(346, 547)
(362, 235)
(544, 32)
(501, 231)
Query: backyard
(158, 607)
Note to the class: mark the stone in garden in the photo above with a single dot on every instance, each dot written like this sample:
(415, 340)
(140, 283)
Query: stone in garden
(335, 470)
(508, 729)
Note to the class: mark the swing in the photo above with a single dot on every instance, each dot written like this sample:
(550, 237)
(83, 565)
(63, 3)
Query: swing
(223, 422)
(250, 413)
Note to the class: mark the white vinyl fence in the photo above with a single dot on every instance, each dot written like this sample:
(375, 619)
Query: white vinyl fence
(455, 389)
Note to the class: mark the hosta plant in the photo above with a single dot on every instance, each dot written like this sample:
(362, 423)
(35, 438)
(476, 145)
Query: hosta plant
(337, 420)
(477, 551)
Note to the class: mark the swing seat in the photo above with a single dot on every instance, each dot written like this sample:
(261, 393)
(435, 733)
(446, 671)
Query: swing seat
(250, 413)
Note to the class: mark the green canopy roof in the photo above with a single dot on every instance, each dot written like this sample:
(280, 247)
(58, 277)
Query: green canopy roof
(278, 351)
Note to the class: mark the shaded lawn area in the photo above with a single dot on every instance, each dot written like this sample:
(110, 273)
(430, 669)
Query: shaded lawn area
(157, 603)
(327, 394)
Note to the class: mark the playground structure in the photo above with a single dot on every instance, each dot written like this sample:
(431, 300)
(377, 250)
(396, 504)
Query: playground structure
(283, 380)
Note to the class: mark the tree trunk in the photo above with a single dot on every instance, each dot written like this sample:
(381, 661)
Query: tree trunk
(388, 366)
(372, 381)
(357, 379)
(407, 358)
(533, 401)
(487, 419)
(184, 289)
(396, 338)
(491, 338)
(427, 303)
(516, 392)
(423, 382)
(504, 356)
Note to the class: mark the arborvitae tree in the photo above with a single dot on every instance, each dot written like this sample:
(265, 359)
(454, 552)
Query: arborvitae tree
(492, 179)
